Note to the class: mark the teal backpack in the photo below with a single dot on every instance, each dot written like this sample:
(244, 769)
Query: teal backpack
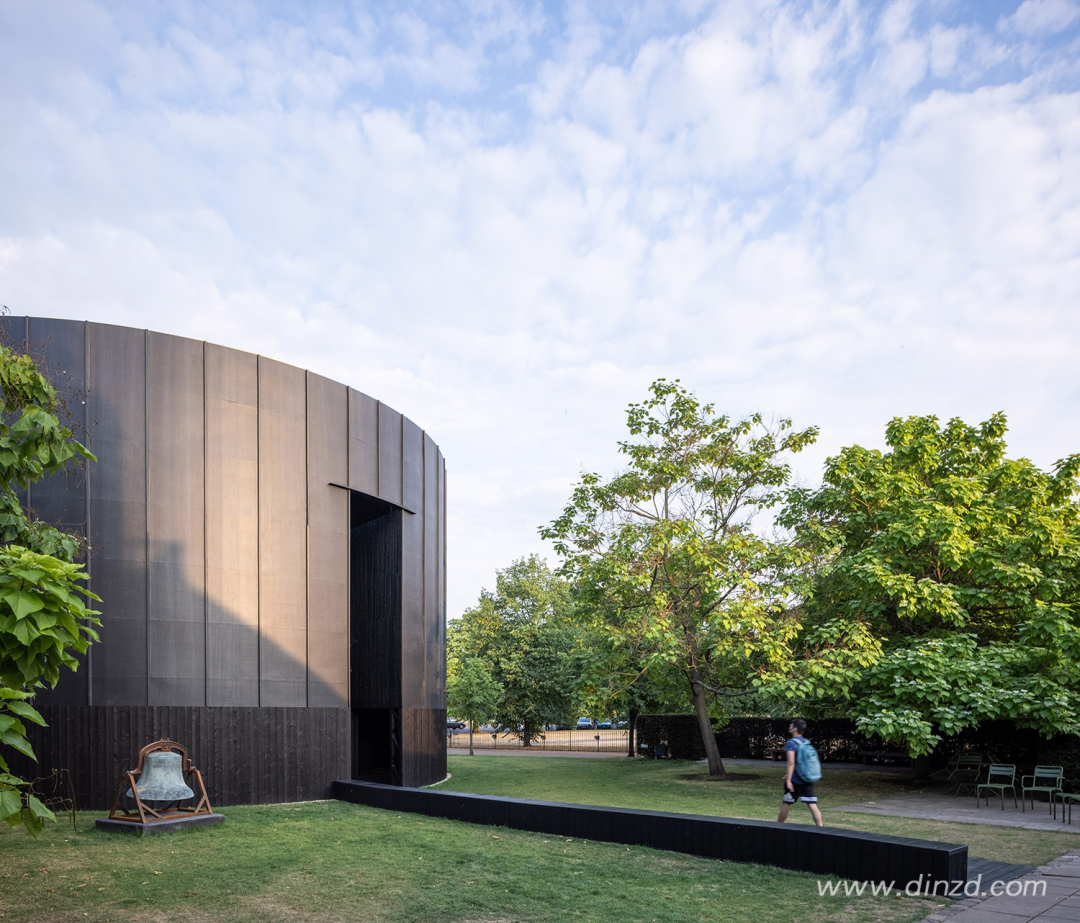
(807, 764)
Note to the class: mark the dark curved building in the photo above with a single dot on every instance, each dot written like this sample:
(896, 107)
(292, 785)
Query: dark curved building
(270, 550)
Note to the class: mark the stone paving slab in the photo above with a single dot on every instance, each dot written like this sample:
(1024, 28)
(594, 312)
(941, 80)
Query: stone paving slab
(1059, 915)
(960, 809)
(1033, 904)
(1060, 903)
(978, 915)
(1065, 871)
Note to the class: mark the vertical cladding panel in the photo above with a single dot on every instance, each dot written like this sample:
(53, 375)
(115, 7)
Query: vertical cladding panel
(232, 527)
(390, 454)
(116, 414)
(60, 499)
(410, 733)
(442, 570)
(414, 679)
(282, 535)
(434, 649)
(363, 443)
(15, 329)
(328, 543)
(423, 746)
(175, 498)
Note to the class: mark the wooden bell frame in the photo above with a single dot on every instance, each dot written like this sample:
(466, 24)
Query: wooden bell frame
(145, 813)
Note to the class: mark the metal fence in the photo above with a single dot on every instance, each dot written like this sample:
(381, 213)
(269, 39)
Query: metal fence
(600, 740)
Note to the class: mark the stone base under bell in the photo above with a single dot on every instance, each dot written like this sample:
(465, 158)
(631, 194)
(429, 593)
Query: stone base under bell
(160, 826)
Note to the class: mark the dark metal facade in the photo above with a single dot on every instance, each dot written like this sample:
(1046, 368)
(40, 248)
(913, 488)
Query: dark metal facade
(262, 538)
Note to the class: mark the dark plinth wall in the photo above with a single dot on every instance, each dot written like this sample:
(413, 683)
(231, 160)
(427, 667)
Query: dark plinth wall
(270, 549)
(825, 850)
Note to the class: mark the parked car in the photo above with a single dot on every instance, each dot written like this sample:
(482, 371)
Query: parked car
(584, 724)
(454, 724)
(606, 725)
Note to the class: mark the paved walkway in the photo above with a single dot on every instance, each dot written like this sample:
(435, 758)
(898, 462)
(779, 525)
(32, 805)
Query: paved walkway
(1050, 894)
(963, 809)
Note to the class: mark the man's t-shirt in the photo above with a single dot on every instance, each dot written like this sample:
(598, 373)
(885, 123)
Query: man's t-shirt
(793, 745)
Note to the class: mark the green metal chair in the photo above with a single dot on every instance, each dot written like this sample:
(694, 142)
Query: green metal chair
(1066, 798)
(999, 777)
(964, 772)
(1047, 779)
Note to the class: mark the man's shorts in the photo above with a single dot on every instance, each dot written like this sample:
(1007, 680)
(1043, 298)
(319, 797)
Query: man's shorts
(804, 791)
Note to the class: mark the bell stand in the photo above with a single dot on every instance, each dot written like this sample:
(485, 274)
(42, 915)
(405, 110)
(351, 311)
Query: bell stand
(127, 778)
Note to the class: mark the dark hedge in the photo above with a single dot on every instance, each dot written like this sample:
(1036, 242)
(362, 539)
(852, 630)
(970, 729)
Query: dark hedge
(837, 741)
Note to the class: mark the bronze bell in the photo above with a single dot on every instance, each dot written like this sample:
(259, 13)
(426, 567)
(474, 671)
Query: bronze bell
(162, 778)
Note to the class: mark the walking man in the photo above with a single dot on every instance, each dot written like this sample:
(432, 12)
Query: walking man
(795, 787)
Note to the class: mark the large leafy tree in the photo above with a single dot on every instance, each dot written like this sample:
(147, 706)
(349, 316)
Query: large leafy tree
(43, 620)
(951, 591)
(472, 692)
(667, 557)
(523, 632)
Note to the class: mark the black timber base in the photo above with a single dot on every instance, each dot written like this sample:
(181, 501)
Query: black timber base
(160, 826)
(823, 850)
(246, 755)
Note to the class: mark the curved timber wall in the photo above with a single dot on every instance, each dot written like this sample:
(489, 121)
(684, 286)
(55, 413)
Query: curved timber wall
(270, 549)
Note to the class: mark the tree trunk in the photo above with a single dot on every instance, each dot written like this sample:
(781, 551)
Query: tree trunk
(525, 728)
(471, 724)
(633, 721)
(701, 709)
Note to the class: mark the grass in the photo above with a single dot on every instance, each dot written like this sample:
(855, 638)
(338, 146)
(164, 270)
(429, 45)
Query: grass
(329, 861)
(684, 787)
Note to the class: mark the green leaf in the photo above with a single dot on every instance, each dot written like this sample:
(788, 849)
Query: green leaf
(11, 803)
(24, 604)
(18, 742)
(38, 809)
(27, 711)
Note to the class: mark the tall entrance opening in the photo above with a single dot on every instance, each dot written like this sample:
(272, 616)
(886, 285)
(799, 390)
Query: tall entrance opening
(375, 617)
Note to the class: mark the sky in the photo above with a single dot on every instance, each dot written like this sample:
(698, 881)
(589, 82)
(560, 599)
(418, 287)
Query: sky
(505, 219)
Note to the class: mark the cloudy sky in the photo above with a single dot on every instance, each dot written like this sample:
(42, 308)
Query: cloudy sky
(506, 219)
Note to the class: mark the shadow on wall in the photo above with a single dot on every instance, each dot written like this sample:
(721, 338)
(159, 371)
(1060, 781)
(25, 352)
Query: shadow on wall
(247, 753)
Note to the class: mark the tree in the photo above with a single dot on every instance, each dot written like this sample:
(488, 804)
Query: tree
(952, 591)
(523, 631)
(616, 677)
(43, 621)
(472, 693)
(665, 557)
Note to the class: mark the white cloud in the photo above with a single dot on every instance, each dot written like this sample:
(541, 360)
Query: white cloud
(1040, 17)
(813, 210)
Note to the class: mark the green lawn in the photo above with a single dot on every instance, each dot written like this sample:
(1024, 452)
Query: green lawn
(674, 785)
(329, 861)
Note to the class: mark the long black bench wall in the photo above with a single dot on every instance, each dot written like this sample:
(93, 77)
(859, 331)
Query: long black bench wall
(826, 851)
